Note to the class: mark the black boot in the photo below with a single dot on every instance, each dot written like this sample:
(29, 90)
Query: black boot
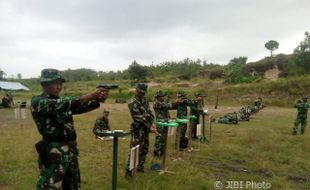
(140, 169)
(128, 174)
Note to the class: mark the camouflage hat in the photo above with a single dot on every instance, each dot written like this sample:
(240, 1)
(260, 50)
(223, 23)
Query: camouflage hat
(49, 75)
(304, 97)
(106, 112)
(142, 87)
(160, 94)
(180, 94)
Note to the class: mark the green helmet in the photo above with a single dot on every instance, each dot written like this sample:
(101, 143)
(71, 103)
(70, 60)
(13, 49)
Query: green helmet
(50, 75)
(160, 94)
(142, 87)
(181, 94)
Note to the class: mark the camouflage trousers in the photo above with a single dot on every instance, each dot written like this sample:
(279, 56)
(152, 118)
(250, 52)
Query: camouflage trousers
(194, 128)
(140, 136)
(160, 141)
(62, 170)
(182, 130)
(300, 120)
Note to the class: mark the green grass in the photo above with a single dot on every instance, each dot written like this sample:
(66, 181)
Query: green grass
(260, 150)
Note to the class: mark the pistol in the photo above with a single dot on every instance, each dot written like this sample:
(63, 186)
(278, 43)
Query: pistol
(107, 86)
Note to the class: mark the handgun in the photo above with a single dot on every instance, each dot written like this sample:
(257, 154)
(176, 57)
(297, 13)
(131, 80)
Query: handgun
(107, 86)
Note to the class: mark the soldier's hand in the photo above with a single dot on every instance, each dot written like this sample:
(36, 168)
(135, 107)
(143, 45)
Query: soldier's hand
(199, 98)
(179, 101)
(100, 94)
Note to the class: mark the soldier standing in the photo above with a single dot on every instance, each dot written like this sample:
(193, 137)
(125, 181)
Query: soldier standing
(142, 124)
(302, 112)
(161, 108)
(182, 114)
(102, 124)
(58, 152)
(196, 110)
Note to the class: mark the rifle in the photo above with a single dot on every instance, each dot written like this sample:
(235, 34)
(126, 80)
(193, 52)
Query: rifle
(107, 86)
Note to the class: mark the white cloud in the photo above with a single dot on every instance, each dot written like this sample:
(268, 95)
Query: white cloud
(109, 35)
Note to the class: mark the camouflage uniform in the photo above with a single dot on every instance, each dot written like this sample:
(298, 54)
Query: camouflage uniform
(182, 114)
(58, 152)
(230, 118)
(101, 124)
(142, 120)
(6, 102)
(243, 115)
(161, 114)
(196, 110)
(302, 109)
(258, 103)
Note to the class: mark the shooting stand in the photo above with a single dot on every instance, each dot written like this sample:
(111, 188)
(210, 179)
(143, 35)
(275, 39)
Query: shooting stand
(204, 139)
(166, 125)
(115, 134)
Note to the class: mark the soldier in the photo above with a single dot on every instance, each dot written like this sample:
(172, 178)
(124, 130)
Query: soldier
(182, 113)
(302, 113)
(58, 152)
(142, 124)
(161, 108)
(196, 110)
(6, 102)
(258, 103)
(102, 124)
(243, 115)
(230, 118)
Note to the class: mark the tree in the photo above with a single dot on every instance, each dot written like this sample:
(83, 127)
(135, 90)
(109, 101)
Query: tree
(234, 70)
(271, 45)
(2, 74)
(137, 71)
(80, 74)
(19, 76)
(302, 53)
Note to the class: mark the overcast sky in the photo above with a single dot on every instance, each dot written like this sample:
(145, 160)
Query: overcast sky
(109, 34)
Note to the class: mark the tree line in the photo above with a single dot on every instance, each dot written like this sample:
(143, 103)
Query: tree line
(236, 71)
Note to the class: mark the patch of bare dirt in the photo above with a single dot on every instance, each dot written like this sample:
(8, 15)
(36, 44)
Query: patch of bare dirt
(272, 74)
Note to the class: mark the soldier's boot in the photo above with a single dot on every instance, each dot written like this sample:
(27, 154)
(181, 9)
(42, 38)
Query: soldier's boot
(157, 153)
(302, 131)
(128, 174)
(140, 169)
(294, 131)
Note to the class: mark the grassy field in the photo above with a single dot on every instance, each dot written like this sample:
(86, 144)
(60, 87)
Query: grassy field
(262, 150)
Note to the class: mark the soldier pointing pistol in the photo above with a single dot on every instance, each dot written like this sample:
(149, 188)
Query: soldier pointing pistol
(58, 152)
(161, 108)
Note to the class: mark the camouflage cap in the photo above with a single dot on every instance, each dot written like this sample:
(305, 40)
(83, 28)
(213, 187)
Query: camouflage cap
(142, 87)
(160, 94)
(106, 112)
(49, 75)
(181, 94)
(304, 97)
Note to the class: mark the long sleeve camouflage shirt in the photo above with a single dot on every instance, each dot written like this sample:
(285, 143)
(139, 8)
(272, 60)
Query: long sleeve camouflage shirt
(302, 108)
(101, 125)
(196, 107)
(162, 110)
(182, 108)
(140, 111)
(53, 115)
